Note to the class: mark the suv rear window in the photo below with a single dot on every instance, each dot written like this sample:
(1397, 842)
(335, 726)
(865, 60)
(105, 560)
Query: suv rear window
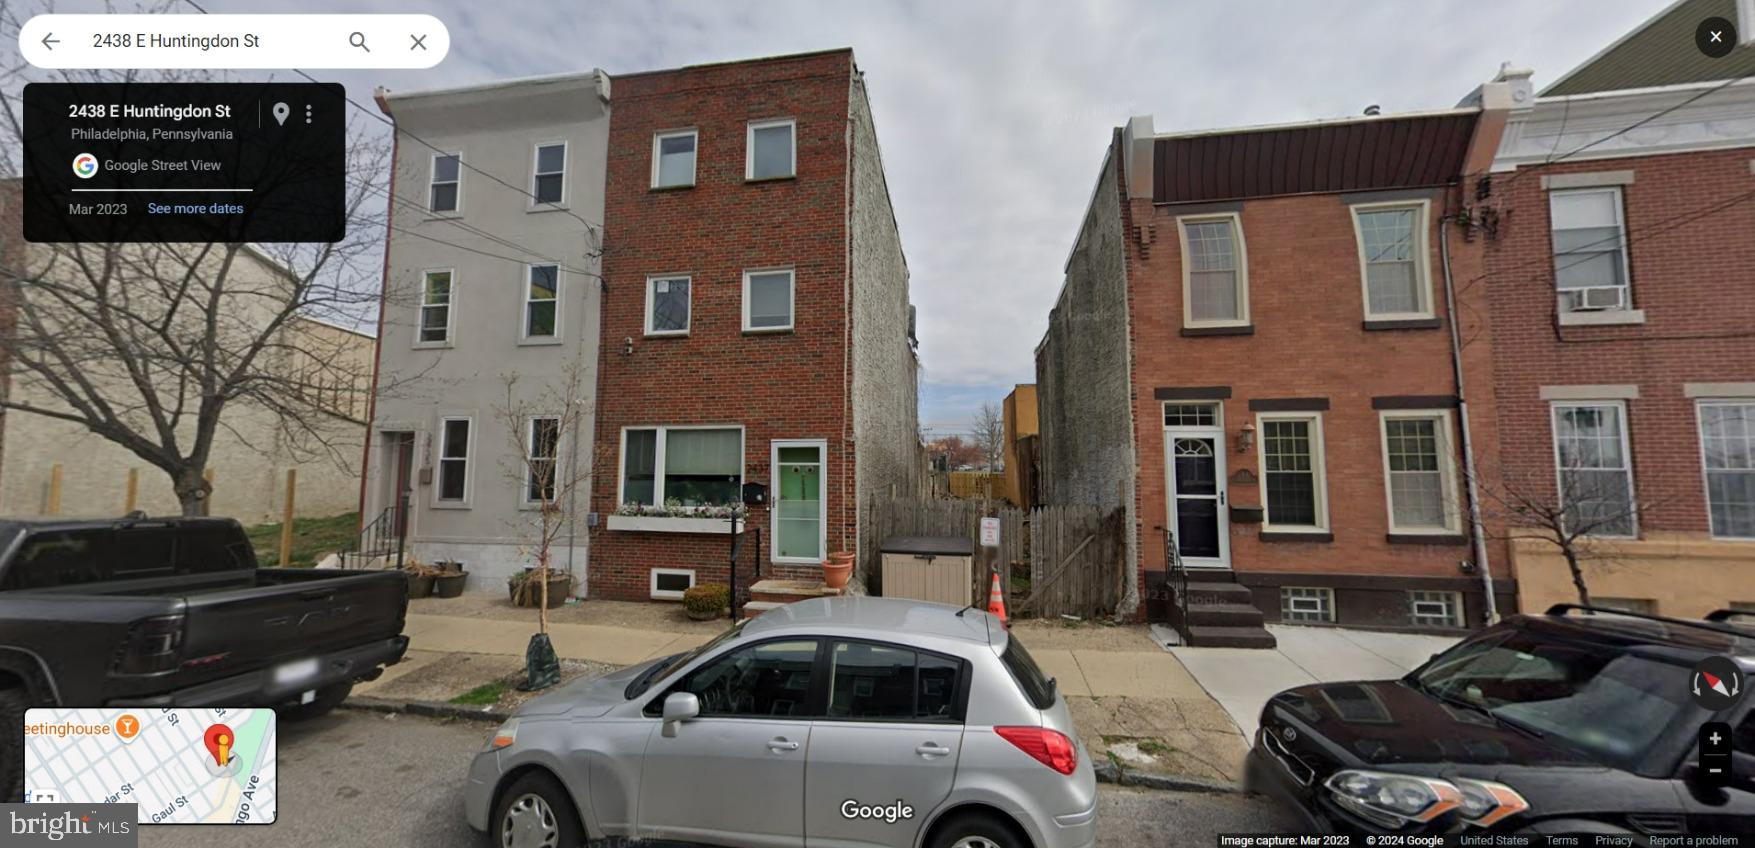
(1035, 685)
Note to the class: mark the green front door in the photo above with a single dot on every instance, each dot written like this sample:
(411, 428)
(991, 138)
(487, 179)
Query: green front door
(798, 502)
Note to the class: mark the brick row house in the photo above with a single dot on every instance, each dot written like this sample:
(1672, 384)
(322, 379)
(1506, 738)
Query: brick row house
(713, 247)
(1259, 317)
(1253, 353)
(1622, 287)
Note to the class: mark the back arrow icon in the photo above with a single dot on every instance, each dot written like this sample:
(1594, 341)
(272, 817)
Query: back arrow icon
(49, 41)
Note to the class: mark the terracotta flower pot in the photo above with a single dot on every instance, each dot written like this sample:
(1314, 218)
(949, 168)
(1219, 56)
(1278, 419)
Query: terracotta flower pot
(837, 569)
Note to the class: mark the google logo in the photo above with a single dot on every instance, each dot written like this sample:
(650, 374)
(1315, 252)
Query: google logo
(85, 166)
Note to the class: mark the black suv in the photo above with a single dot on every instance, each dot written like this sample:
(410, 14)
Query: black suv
(1576, 721)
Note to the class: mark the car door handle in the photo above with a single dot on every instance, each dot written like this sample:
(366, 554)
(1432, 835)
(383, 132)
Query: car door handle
(778, 744)
(932, 749)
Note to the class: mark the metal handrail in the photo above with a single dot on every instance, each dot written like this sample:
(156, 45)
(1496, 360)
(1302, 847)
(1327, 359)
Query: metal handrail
(383, 536)
(1178, 570)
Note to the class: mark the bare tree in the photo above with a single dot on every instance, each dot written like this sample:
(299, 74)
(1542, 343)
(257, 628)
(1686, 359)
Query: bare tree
(545, 427)
(1583, 514)
(155, 347)
(987, 429)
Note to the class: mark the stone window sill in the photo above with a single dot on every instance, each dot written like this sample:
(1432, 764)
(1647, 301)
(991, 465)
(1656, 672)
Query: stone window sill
(1606, 318)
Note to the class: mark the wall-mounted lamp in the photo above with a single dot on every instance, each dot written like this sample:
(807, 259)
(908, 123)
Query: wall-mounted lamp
(628, 346)
(1245, 437)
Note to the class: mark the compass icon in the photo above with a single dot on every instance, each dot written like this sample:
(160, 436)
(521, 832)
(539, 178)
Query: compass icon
(1717, 683)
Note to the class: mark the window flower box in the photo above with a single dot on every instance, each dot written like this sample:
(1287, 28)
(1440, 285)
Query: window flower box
(672, 524)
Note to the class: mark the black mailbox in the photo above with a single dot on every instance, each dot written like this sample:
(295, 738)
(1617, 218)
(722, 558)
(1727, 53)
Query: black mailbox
(755, 494)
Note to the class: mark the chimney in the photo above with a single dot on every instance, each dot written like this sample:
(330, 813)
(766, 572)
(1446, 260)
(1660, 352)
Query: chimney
(1137, 141)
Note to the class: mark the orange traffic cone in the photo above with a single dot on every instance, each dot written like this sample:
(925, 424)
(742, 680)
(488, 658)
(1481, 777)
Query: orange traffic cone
(996, 600)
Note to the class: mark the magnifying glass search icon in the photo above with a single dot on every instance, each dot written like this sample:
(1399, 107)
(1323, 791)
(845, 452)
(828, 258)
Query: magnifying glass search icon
(358, 39)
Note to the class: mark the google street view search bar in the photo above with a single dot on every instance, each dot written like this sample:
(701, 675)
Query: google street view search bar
(234, 41)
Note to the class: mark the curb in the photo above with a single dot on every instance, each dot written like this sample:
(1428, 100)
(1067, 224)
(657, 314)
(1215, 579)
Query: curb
(430, 709)
(1109, 773)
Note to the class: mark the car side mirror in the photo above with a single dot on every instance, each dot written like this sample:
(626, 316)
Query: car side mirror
(679, 707)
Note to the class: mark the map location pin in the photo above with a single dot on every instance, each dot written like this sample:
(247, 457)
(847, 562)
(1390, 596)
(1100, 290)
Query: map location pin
(281, 110)
(219, 739)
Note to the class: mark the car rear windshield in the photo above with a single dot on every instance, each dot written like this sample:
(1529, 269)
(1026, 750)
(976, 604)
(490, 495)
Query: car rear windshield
(1036, 686)
(54, 558)
(1601, 700)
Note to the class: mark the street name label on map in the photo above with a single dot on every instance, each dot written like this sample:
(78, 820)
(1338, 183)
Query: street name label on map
(179, 766)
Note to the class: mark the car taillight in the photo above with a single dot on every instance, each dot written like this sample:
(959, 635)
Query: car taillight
(1050, 747)
(153, 645)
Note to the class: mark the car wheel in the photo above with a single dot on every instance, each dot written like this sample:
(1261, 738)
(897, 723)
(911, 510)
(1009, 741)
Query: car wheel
(328, 698)
(976, 830)
(13, 703)
(536, 812)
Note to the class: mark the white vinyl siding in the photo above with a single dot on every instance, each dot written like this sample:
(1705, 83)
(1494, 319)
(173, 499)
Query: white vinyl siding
(542, 296)
(1595, 469)
(693, 466)
(1420, 473)
(1393, 260)
(771, 150)
(1298, 603)
(1590, 249)
(1215, 275)
(1727, 447)
(673, 158)
(767, 300)
(667, 305)
(435, 307)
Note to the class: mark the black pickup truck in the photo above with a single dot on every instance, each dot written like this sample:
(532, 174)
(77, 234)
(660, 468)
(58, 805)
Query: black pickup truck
(175, 612)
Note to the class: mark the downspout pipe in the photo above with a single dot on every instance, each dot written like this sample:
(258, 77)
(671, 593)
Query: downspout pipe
(1477, 529)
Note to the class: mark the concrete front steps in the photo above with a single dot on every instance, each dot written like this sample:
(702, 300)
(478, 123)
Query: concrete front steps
(768, 594)
(1221, 614)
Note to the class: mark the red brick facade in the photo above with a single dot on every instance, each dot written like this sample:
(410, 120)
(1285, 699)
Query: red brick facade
(790, 385)
(1692, 267)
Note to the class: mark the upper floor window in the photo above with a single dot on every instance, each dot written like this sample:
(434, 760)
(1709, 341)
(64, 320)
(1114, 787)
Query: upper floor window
(667, 306)
(550, 183)
(1590, 249)
(435, 308)
(541, 301)
(1215, 279)
(673, 158)
(1595, 468)
(770, 151)
(1392, 257)
(447, 183)
(767, 300)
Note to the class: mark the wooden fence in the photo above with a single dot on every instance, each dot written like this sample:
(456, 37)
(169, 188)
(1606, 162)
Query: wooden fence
(1071, 555)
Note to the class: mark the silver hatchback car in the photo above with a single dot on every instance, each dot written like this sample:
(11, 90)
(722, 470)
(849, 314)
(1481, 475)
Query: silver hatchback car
(844, 721)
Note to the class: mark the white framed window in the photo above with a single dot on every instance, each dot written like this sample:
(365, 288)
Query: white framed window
(542, 300)
(1435, 609)
(767, 300)
(1419, 471)
(542, 442)
(1215, 271)
(692, 465)
(1393, 259)
(456, 445)
(1306, 603)
(1595, 468)
(673, 158)
(1727, 456)
(437, 288)
(445, 191)
(1590, 249)
(1292, 482)
(669, 584)
(667, 305)
(771, 149)
(1191, 415)
(548, 183)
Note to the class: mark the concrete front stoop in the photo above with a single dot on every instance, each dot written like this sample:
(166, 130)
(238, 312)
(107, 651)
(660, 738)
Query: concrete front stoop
(1221, 614)
(768, 594)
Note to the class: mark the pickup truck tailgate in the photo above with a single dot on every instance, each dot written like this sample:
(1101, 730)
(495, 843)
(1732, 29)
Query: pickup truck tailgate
(289, 613)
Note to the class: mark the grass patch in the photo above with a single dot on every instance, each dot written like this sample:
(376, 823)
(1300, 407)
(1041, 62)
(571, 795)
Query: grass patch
(313, 539)
(1148, 745)
(481, 696)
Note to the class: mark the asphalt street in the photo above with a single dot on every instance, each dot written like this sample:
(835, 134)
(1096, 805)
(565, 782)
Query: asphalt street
(375, 781)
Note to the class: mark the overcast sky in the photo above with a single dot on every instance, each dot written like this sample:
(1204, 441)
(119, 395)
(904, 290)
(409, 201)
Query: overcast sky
(992, 116)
